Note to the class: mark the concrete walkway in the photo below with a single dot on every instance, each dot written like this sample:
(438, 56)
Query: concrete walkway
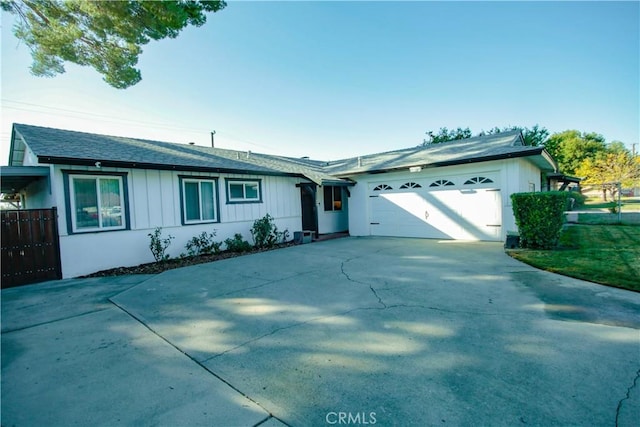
(351, 331)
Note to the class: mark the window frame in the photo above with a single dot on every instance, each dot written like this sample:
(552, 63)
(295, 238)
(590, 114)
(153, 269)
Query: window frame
(252, 181)
(183, 179)
(70, 203)
(333, 200)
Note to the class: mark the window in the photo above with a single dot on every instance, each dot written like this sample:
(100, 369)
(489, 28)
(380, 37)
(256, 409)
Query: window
(332, 198)
(199, 200)
(382, 187)
(441, 183)
(477, 180)
(244, 191)
(96, 202)
(411, 185)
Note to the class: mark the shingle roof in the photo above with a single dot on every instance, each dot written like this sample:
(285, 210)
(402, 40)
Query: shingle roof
(470, 150)
(70, 147)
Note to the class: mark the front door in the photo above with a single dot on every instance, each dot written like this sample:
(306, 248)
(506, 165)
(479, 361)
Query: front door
(309, 208)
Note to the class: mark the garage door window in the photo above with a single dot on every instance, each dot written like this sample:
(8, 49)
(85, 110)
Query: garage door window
(382, 187)
(478, 180)
(410, 185)
(441, 183)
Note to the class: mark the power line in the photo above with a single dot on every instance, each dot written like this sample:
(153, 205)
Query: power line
(111, 119)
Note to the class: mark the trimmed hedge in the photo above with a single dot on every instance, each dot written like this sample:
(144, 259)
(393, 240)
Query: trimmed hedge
(539, 217)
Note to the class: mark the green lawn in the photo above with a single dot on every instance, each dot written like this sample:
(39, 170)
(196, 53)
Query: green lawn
(607, 254)
(629, 204)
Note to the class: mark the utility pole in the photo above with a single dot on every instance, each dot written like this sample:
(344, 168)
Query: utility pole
(633, 150)
(213, 145)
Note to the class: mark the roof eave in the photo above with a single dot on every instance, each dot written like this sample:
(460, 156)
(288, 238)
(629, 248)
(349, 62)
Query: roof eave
(156, 166)
(529, 153)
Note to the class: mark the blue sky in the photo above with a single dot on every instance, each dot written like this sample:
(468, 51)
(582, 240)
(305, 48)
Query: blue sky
(339, 79)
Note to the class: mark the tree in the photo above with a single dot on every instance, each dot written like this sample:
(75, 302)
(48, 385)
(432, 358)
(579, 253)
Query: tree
(106, 35)
(534, 136)
(445, 135)
(615, 165)
(571, 147)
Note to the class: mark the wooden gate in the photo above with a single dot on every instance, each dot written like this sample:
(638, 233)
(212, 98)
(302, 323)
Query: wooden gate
(30, 246)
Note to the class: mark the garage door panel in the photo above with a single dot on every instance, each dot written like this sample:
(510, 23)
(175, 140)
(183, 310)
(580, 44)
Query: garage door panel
(396, 217)
(464, 214)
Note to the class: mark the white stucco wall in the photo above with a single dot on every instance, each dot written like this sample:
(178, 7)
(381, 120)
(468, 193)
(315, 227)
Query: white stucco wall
(154, 201)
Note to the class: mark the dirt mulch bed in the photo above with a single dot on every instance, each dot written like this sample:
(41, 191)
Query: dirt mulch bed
(159, 267)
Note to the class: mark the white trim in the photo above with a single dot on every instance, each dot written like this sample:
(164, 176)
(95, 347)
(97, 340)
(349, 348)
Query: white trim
(72, 200)
(199, 181)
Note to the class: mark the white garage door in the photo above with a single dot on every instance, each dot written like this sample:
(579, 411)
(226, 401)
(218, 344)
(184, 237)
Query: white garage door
(461, 208)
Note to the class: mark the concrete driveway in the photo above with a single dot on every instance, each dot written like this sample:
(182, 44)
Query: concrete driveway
(356, 331)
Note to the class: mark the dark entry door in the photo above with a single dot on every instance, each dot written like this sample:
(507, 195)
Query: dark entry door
(309, 209)
(30, 246)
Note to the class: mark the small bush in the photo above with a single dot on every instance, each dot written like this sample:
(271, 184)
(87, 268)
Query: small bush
(575, 200)
(203, 244)
(237, 244)
(265, 233)
(539, 217)
(159, 245)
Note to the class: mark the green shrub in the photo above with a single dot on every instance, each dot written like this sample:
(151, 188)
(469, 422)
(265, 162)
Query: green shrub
(159, 245)
(203, 244)
(539, 217)
(237, 244)
(265, 233)
(575, 200)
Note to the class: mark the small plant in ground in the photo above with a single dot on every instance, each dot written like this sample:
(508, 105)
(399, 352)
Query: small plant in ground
(237, 244)
(159, 244)
(265, 233)
(203, 244)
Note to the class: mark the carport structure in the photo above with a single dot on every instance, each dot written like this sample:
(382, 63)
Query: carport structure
(406, 331)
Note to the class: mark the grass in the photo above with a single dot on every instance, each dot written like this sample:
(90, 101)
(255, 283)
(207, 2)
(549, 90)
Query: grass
(629, 204)
(606, 254)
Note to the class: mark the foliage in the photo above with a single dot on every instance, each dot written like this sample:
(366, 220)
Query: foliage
(159, 245)
(608, 168)
(445, 135)
(576, 200)
(203, 244)
(106, 35)
(539, 217)
(534, 136)
(571, 147)
(237, 244)
(265, 233)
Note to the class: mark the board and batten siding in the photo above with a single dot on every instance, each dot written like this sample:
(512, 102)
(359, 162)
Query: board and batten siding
(154, 201)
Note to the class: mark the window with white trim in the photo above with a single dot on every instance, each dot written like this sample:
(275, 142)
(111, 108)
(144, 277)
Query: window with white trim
(332, 198)
(96, 203)
(199, 200)
(244, 191)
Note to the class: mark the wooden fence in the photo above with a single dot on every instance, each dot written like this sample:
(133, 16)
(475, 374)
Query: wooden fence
(30, 246)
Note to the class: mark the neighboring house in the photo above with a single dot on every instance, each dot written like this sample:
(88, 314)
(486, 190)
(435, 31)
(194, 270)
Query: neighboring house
(111, 192)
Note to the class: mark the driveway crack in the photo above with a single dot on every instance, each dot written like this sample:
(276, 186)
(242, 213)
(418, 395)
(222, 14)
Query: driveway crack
(373, 290)
(627, 395)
